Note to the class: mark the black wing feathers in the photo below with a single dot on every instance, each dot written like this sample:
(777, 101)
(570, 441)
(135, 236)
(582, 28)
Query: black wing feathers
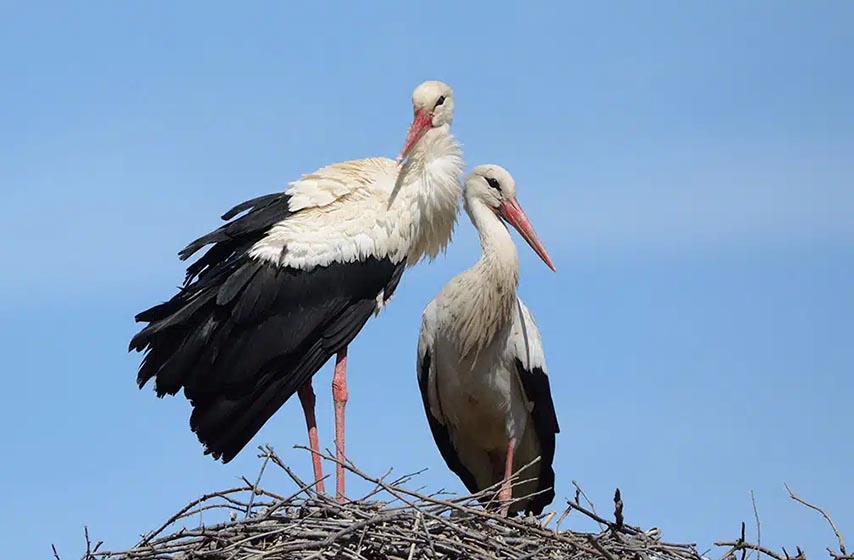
(244, 334)
(259, 202)
(535, 382)
(440, 432)
(236, 237)
(289, 337)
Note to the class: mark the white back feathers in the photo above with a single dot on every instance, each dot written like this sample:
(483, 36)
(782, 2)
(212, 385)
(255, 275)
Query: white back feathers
(374, 207)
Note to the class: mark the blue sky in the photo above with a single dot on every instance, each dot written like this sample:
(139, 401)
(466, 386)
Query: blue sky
(688, 165)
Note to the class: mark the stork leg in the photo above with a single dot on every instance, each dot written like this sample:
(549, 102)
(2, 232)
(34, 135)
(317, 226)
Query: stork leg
(506, 493)
(339, 396)
(306, 397)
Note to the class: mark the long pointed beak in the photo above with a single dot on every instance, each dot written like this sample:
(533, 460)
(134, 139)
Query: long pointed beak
(513, 213)
(422, 123)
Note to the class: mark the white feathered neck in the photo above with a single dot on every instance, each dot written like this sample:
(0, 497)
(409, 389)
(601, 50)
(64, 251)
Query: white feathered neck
(428, 188)
(480, 301)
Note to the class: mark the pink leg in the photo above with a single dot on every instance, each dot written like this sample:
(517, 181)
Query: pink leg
(506, 492)
(306, 397)
(339, 396)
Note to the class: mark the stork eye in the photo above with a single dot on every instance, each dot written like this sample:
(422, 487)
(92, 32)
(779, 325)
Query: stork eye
(493, 183)
(440, 101)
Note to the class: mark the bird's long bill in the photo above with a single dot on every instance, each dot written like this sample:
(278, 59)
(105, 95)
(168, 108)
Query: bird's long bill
(422, 123)
(514, 214)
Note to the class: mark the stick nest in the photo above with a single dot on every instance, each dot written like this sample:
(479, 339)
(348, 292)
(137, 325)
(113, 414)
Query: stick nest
(390, 522)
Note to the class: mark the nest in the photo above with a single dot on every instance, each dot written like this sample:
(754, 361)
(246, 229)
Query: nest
(395, 522)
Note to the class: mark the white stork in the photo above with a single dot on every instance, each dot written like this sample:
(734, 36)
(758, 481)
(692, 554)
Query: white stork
(292, 278)
(481, 368)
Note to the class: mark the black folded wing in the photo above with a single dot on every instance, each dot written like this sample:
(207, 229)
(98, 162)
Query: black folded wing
(535, 383)
(244, 334)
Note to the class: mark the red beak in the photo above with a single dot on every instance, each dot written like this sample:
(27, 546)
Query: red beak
(513, 213)
(422, 123)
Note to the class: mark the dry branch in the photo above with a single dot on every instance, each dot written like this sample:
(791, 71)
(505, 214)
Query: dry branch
(829, 521)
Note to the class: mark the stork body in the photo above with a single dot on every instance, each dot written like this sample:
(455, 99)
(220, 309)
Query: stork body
(293, 277)
(481, 367)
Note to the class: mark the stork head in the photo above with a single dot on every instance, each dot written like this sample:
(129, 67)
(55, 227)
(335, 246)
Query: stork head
(433, 105)
(494, 186)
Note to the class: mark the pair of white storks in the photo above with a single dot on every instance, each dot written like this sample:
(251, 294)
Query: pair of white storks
(291, 279)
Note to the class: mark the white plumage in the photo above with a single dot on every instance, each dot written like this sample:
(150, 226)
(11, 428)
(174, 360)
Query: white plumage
(481, 365)
(346, 212)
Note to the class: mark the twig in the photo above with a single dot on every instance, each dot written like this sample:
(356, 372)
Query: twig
(278, 462)
(740, 545)
(562, 517)
(580, 492)
(758, 525)
(823, 513)
(266, 456)
(412, 546)
(187, 508)
(427, 534)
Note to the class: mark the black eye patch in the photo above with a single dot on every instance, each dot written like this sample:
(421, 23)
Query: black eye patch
(440, 101)
(493, 183)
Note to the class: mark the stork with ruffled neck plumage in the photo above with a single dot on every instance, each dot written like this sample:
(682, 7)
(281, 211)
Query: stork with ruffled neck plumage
(292, 278)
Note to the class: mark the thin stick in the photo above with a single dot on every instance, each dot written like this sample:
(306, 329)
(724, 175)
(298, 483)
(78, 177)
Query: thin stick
(823, 513)
(427, 534)
(579, 493)
(266, 456)
(187, 508)
(741, 545)
(758, 525)
(562, 517)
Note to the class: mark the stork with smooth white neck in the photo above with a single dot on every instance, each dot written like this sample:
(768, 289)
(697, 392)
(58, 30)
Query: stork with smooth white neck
(481, 367)
(293, 277)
